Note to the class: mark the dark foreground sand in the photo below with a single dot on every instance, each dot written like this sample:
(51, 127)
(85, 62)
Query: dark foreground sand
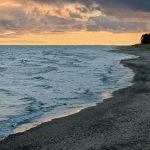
(120, 123)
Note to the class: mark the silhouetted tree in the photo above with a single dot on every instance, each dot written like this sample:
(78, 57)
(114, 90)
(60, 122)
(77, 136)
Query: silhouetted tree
(145, 39)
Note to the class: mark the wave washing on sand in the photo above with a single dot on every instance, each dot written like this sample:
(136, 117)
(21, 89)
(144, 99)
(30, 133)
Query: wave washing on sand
(40, 83)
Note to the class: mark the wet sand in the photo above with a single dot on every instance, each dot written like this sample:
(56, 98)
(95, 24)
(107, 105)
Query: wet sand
(119, 123)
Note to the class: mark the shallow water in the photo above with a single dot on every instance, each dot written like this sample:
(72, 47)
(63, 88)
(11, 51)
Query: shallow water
(38, 82)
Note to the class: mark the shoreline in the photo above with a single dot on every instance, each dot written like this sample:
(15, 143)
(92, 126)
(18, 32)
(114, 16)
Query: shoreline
(94, 127)
(124, 81)
(104, 96)
(28, 126)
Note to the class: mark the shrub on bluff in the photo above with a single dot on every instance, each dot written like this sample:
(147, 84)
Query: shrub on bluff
(145, 39)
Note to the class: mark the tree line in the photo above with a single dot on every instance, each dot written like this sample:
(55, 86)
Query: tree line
(145, 39)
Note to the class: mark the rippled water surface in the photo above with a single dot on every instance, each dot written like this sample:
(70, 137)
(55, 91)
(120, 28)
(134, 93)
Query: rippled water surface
(42, 81)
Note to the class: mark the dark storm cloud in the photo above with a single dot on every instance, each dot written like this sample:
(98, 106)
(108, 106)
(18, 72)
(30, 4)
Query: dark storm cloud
(115, 25)
(137, 5)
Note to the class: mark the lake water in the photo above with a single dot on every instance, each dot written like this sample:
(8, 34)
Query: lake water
(38, 83)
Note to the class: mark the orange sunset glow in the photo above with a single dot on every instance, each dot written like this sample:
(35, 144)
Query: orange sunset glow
(86, 38)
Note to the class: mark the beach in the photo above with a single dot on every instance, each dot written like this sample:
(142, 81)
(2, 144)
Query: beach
(121, 122)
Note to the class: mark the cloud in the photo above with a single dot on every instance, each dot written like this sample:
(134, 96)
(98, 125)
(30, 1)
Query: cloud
(105, 23)
(45, 16)
(138, 5)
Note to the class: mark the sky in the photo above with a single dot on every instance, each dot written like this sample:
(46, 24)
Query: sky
(73, 22)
